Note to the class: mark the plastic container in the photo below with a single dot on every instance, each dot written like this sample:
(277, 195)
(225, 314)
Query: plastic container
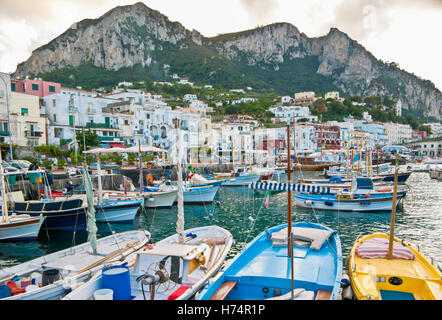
(17, 281)
(26, 281)
(4, 291)
(104, 294)
(32, 287)
(117, 278)
(36, 278)
(50, 276)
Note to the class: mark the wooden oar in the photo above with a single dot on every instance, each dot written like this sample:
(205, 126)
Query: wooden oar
(109, 256)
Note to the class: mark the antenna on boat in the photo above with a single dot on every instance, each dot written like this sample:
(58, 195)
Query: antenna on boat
(141, 168)
(5, 217)
(393, 210)
(289, 211)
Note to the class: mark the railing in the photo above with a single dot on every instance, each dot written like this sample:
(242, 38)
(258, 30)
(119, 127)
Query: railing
(110, 138)
(98, 125)
(32, 134)
(4, 133)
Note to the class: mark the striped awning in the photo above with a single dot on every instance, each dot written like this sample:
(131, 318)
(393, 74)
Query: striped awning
(275, 186)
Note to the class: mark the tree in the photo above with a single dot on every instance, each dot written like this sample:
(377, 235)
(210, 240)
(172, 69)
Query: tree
(91, 139)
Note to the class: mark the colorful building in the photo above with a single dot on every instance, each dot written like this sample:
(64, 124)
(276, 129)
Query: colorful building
(35, 87)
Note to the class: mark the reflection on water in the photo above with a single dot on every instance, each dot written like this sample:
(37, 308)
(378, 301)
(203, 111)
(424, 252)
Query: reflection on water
(242, 212)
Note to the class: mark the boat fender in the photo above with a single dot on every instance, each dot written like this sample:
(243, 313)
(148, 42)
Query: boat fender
(201, 259)
(328, 203)
(347, 293)
(367, 196)
(308, 202)
(345, 280)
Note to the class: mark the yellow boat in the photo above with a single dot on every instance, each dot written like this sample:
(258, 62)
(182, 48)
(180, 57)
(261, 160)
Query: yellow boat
(393, 279)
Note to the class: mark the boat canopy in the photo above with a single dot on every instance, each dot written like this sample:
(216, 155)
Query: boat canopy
(275, 186)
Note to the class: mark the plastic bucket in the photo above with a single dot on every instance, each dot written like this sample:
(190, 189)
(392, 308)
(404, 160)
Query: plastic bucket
(117, 278)
(104, 294)
(4, 291)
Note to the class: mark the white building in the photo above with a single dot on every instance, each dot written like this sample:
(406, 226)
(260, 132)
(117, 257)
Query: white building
(436, 129)
(398, 133)
(190, 97)
(305, 98)
(291, 113)
(286, 99)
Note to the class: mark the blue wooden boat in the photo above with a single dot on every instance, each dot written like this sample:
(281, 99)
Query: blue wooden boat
(60, 215)
(262, 270)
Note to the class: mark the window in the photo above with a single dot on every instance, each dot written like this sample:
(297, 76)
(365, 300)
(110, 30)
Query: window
(126, 122)
(51, 88)
(24, 111)
(35, 87)
(54, 102)
(55, 118)
(12, 86)
(71, 120)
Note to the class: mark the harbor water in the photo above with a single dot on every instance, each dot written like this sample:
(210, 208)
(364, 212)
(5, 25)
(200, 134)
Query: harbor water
(242, 211)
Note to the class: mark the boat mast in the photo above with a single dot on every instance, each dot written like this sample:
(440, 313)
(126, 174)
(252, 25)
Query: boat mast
(141, 168)
(393, 212)
(289, 212)
(5, 217)
(180, 221)
(100, 188)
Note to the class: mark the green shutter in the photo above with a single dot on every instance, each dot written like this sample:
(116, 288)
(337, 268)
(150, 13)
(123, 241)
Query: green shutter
(51, 88)
(55, 118)
(71, 120)
(24, 111)
(12, 86)
(35, 87)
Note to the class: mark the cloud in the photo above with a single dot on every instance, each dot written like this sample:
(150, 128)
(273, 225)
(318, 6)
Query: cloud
(370, 18)
(259, 11)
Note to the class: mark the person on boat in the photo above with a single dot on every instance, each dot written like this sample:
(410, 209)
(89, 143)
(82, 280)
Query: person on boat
(70, 187)
(34, 166)
(149, 180)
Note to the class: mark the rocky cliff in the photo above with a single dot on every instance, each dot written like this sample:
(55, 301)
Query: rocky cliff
(131, 36)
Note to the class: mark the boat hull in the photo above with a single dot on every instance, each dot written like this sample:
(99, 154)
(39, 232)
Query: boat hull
(200, 195)
(318, 202)
(20, 229)
(123, 211)
(161, 199)
(240, 181)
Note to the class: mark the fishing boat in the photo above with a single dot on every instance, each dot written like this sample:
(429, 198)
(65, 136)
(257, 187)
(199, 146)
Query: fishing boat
(301, 261)
(117, 209)
(167, 270)
(19, 227)
(13, 226)
(54, 275)
(346, 201)
(200, 195)
(50, 277)
(175, 268)
(157, 198)
(383, 267)
(262, 269)
(61, 213)
(386, 177)
(239, 178)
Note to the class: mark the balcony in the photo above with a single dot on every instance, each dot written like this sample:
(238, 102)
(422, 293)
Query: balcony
(110, 138)
(98, 125)
(32, 134)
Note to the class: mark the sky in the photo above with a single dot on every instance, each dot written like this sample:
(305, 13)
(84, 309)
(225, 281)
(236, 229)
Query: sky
(407, 32)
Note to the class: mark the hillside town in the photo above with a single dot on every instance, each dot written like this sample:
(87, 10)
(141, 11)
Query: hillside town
(35, 112)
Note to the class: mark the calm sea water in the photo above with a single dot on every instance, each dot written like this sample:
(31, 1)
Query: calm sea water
(242, 212)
